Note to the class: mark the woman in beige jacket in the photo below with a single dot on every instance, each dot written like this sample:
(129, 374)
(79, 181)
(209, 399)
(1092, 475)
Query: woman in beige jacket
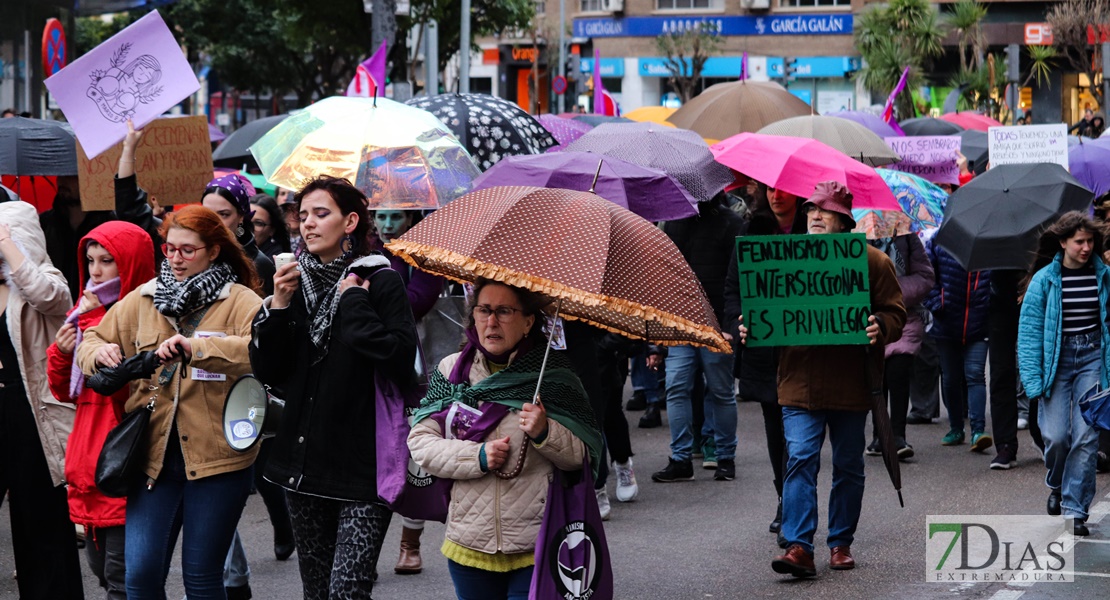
(199, 308)
(469, 429)
(33, 425)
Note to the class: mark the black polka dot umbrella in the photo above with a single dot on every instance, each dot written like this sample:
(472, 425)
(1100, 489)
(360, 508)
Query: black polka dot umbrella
(606, 265)
(489, 127)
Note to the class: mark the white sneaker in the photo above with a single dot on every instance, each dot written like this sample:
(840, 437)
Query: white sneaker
(627, 490)
(603, 503)
(1023, 423)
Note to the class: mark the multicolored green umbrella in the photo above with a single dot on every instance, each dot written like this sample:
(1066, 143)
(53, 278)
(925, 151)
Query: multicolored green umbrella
(401, 157)
(879, 224)
(922, 200)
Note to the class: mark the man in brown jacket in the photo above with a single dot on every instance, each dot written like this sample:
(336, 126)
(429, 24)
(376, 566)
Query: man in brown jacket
(830, 387)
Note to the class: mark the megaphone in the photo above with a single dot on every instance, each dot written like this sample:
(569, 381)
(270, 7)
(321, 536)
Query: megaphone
(251, 414)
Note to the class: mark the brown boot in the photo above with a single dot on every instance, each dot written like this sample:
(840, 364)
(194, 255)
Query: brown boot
(409, 562)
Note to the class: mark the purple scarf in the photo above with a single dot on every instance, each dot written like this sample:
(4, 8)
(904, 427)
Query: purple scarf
(107, 293)
(461, 372)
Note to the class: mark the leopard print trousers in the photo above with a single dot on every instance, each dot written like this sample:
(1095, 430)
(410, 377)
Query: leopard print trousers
(338, 543)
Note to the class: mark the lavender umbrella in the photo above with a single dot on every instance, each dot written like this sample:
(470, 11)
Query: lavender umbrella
(1088, 162)
(650, 193)
(564, 130)
(880, 127)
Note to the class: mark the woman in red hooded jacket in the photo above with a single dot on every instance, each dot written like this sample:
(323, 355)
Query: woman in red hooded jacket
(116, 257)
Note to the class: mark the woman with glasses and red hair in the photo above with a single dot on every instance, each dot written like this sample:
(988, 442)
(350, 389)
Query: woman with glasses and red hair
(196, 316)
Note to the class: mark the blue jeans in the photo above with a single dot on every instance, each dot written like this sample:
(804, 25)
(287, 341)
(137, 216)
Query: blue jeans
(684, 364)
(206, 509)
(964, 382)
(805, 434)
(479, 584)
(1070, 445)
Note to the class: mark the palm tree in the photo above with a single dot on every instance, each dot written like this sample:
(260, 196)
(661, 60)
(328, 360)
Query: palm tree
(903, 33)
(966, 19)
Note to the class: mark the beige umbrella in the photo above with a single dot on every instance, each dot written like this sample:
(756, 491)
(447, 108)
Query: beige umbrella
(849, 137)
(726, 109)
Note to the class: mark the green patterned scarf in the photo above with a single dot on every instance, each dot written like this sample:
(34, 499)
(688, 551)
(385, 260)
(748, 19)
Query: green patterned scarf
(562, 394)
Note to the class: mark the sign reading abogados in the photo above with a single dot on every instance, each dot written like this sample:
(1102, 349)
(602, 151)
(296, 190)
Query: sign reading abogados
(804, 290)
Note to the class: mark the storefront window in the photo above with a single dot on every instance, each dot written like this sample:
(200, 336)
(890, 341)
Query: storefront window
(687, 4)
(811, 3)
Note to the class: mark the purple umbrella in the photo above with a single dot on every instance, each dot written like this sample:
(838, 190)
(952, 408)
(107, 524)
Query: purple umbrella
(652, 194)
(214, 134)
(1088, 162)
(868, 120)
(564, 130)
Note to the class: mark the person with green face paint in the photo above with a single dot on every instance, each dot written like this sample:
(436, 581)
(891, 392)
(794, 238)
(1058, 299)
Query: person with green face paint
(423, 290)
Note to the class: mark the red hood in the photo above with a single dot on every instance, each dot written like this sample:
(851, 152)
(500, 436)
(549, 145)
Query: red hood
(130, 246)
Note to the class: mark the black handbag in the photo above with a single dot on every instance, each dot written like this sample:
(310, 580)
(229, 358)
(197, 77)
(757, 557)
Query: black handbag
(123, 453)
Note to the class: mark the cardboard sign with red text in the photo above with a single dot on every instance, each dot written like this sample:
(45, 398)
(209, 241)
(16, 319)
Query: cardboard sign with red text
(173, 163)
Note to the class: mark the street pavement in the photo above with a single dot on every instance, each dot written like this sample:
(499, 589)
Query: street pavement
(709, 539)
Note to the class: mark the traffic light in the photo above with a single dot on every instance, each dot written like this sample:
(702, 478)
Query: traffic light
(789, 67)
(1013, 62)
(574, 67)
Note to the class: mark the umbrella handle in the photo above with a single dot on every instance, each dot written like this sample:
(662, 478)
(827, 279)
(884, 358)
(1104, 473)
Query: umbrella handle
(547, 351)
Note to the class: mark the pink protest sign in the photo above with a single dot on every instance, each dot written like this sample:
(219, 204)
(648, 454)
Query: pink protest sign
(930, 157)
(137, 74)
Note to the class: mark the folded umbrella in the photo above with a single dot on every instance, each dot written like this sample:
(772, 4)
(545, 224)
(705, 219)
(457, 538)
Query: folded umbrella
(677, 152)
(849, 137)
(726, 109)
(490, 128)
(235, 151)
(971, 120)
(401, 157)
(797, 165)
(37, 147)
(564, 130)
(994, 221)
(929, 126)
(650, 193)
(607, 267)
(1089, 162)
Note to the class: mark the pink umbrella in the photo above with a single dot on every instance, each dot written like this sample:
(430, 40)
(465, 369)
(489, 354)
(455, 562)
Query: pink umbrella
(971, 120)
(797, 165)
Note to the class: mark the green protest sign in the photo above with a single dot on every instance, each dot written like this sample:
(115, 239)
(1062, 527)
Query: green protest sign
(804, 290)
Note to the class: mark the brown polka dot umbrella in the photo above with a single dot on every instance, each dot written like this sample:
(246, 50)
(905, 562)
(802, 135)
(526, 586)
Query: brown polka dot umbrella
(608, 266)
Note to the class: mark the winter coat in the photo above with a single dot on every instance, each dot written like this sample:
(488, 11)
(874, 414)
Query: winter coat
(97, 414)
(325, 443)
(195, 406)
(844, 377)
(959, 301)
(1040, 328)
(38, 298)
(422, 288)
(754, 368)
(487, 513)
(916, 284)
(262, 263)
(705, 241)
(61, 242)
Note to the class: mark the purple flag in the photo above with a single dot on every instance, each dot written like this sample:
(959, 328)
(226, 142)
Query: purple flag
(599, 101)
(137, 74)
(369, 81)
(888, 110)
(572, 556)
(744, 67)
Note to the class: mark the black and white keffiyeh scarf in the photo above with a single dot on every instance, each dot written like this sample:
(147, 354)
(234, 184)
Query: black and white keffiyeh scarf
(176, 299)
(320, 284)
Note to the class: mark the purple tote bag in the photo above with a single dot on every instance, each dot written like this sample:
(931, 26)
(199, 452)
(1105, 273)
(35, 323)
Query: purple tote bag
(572, 556)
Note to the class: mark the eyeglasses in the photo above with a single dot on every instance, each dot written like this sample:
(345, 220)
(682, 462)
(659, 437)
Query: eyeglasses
(482, 312)
(186, 252)
(260, 224)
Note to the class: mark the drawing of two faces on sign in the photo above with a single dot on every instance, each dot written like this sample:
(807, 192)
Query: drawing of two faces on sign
(118, 90)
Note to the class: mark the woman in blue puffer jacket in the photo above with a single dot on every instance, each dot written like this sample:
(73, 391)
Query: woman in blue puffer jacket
(1062, 354)
(960, 302)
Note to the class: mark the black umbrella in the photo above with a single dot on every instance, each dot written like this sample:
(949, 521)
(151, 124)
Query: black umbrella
(490, 128)
(595, 120)
(973, 145)
(235, 151)
(37, 147)
(994, 221)
(881, 420)
(929, 126)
